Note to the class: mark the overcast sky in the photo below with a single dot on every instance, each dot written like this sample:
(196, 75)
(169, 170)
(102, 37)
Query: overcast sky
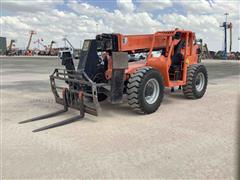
(79, 19)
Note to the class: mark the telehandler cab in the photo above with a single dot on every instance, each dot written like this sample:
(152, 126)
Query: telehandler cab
(139, 66)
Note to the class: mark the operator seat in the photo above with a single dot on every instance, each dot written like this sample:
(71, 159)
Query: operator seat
(175, 69)
(177, 57)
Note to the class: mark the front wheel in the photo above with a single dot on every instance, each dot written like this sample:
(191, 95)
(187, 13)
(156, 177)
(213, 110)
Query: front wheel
(197, 80)
(145, 90)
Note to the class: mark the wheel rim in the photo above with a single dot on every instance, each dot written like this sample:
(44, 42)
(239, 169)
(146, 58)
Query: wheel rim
(151, 91)
(200, 82)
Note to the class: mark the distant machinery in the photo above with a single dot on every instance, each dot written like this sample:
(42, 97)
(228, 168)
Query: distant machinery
(207, 54)
(39, 42)
(48, 50)
(74, 52)
(226, 26)
(10, 50)
(12, 44)
(66, 41)
(3, 45)
(30, 39)
(38, 50)
(51, 51)
(204, 53)
(51, 45)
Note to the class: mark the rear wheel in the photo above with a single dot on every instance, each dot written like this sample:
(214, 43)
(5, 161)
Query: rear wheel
(145, 90)
(197, 80)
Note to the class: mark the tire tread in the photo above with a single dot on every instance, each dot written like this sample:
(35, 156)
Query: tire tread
(188, 89)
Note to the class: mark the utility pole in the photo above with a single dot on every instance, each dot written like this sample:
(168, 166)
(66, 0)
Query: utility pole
(225, 37)
(225, 26)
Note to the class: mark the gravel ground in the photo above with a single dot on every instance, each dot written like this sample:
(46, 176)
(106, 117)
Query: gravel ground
(184, 139)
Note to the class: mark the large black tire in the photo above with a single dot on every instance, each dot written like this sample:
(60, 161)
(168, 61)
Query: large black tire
(197, 79)
(143, 81)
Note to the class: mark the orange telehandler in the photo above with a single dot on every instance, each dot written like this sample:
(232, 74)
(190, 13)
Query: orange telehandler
(139, 66)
